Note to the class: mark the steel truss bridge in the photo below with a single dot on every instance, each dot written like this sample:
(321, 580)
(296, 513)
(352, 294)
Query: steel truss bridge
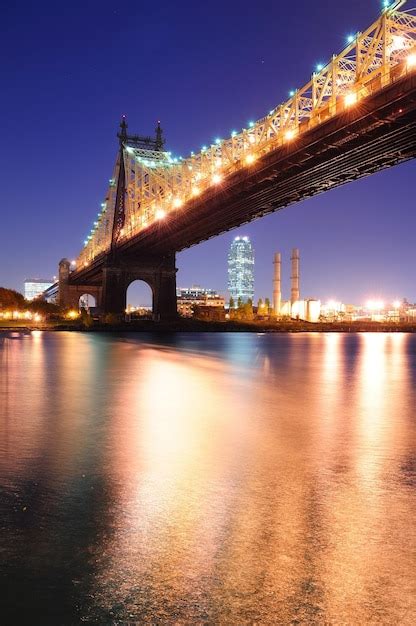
(356, 116)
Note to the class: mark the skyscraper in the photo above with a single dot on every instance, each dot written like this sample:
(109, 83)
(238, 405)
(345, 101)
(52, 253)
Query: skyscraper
(241, 270)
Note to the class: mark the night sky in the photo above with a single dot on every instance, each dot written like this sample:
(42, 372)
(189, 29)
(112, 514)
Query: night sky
(70, 70)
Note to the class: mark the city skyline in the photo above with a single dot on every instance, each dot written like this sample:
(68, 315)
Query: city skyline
(358, 236)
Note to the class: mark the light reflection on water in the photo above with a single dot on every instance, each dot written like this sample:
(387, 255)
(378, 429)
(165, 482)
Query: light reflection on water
(219, 479)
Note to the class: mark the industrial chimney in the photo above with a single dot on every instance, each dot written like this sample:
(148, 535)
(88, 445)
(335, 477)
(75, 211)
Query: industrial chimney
(295, 294)
(277, 287)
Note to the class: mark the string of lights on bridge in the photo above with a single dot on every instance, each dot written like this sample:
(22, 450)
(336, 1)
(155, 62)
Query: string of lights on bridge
(346, 78)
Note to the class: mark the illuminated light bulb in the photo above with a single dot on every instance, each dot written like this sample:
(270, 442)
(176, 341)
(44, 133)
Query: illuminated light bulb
(233, 133)
(319, 67)
(73, 262)
(291, 93)
(198, 176)
(196, 191)
(250, 124)
(177, 203)
(252, 139)
(216, 179)
(218, 163)
(350, 99)
(290, 134)
(350, 38)
(85, 263)
(218, 141)
(397, 304)
(250, 158)
(411, 61)
(160, 214)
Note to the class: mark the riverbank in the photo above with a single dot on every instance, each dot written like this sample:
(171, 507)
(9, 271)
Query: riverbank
(190, 325)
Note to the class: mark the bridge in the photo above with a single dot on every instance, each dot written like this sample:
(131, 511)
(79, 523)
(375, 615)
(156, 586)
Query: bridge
(356, 116)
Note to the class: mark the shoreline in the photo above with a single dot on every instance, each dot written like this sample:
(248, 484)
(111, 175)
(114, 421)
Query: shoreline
(189, 325)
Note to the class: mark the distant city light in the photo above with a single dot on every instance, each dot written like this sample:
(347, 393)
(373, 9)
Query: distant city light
(375, 305)
(334, 305)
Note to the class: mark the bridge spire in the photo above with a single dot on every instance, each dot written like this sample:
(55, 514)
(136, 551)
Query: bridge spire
(122, 135)
(160, 142)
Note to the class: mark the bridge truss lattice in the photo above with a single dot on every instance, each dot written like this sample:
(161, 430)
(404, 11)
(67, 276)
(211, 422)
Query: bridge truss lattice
(155, 184)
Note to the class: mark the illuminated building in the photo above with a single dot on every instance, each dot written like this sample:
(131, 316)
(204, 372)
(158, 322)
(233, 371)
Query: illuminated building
(190, 297)
(241, 270)
(34, 287)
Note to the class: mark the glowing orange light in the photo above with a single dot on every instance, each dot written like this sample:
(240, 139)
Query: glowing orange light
(290, 134)
(411, 61)
(350, 99)
(250, 158)
(177, 203)
(160, 214)
(216, 179)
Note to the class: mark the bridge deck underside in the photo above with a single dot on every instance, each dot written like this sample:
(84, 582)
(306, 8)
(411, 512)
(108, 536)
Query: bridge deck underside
(379, 132)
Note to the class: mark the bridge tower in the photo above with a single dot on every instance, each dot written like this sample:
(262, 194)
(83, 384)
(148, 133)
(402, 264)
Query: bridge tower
(121, 268)
(69, 294)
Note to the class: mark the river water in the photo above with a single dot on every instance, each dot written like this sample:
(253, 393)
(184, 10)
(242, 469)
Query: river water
(208, 479)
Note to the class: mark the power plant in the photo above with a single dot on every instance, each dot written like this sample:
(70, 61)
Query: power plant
(308, 310)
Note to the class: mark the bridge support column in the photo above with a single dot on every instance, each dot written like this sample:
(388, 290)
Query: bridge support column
(164, 294)
(114, 291)
(158, 272)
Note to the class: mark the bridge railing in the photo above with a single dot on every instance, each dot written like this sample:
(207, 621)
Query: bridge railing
(158, 184)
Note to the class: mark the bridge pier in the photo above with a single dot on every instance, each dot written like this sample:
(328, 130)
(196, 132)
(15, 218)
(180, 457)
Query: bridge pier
(158, 272)
(68, 294)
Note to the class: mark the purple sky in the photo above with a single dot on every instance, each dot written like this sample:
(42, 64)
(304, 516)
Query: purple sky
(204, 69)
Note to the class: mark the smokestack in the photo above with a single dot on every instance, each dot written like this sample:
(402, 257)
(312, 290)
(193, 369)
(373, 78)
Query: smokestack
(277, 288)
(295, 294)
